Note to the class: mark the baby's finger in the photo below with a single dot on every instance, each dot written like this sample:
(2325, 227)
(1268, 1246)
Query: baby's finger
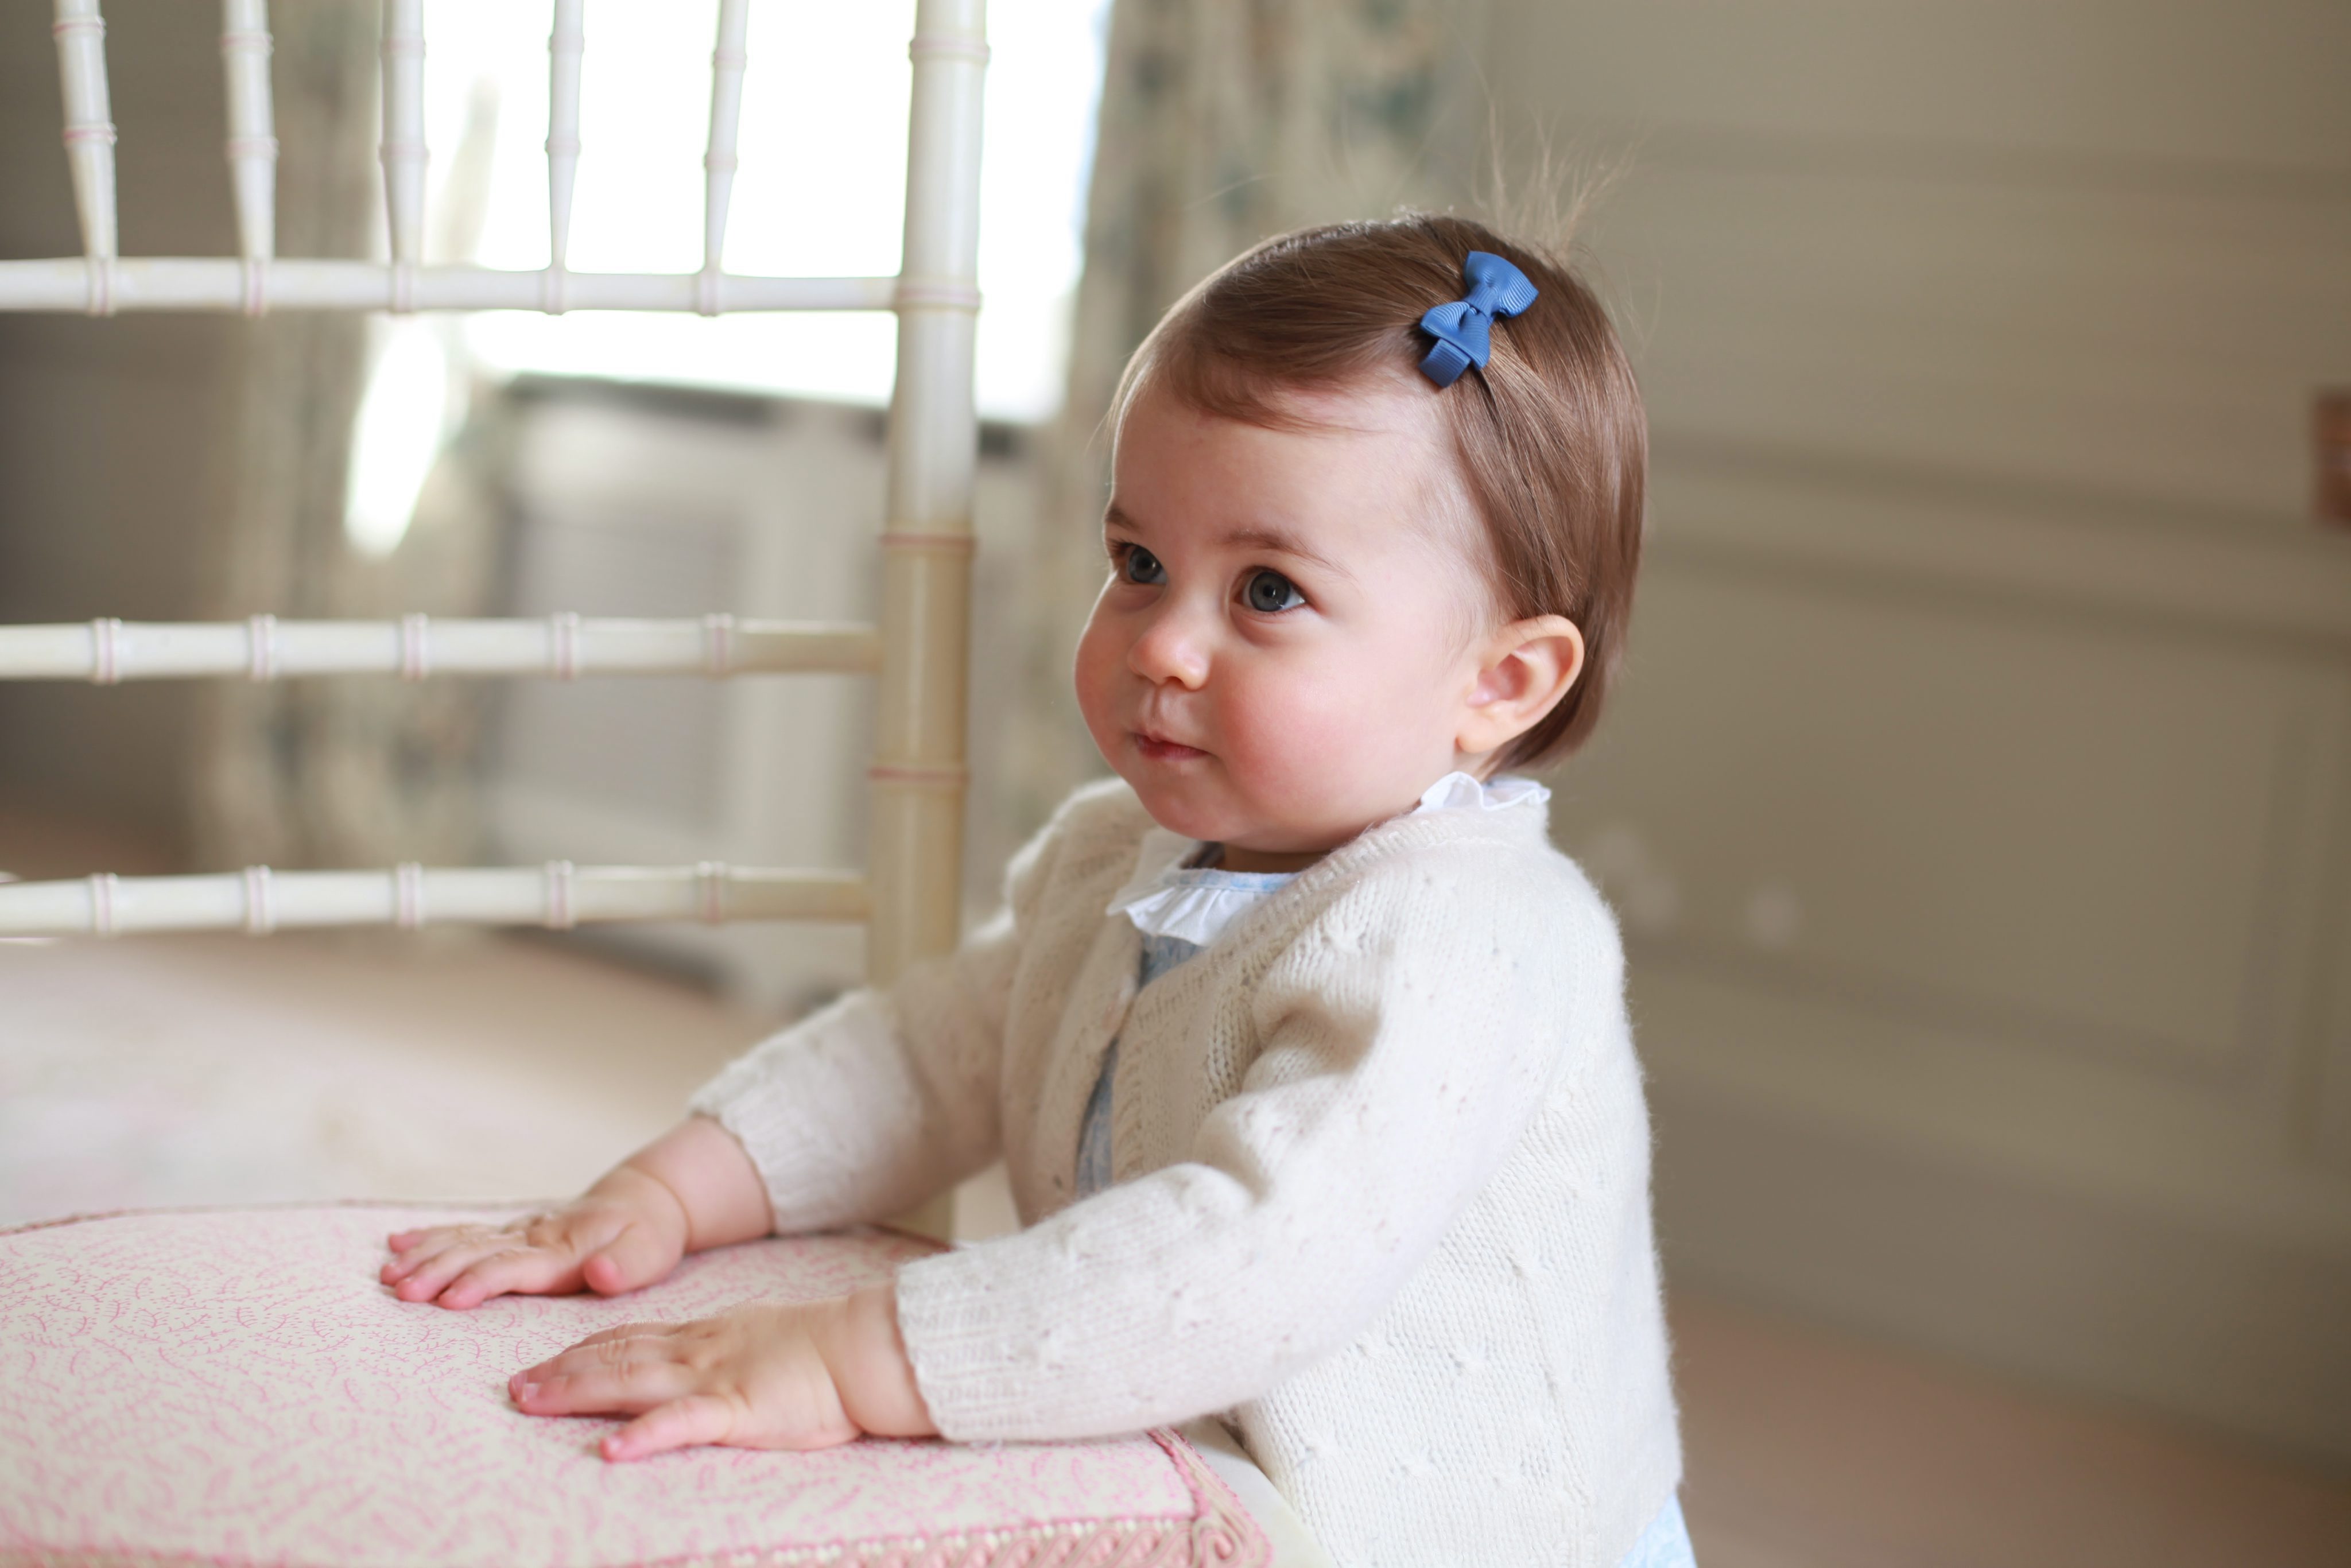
(625, 1330)
(443, 1234)
(401, 1240)
(526, 1271)
(634, 1257)
(426, 1283)
(621, 1387)
(426, 1245)
(679, 1424)
(419, 1253)
(424, 1255)
(570, 1359)
(397, 1268)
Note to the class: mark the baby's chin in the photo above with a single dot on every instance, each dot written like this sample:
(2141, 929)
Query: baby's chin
(1184, 813)
(1170, 810)
(1181, 806)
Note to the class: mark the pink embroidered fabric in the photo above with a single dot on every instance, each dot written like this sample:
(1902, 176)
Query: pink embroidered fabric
(235, 1390)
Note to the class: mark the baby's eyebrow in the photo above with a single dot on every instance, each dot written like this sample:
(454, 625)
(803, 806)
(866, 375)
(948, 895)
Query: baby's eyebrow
(1256, 538)
(1285, 544)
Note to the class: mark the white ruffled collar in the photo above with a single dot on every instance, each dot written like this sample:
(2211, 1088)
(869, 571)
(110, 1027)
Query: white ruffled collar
(1167, 896)
(1459, 792)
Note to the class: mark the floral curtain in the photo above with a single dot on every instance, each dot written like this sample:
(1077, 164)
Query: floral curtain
(1222, 122)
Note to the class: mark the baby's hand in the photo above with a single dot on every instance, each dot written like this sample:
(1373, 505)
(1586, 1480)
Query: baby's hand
(627, 1232)
(809, 1376)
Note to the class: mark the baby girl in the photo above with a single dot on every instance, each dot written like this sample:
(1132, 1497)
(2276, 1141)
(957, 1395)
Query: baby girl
(1307, 1053)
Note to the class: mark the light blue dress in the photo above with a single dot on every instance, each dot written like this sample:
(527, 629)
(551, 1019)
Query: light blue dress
(1180, 911)
(1161, 953)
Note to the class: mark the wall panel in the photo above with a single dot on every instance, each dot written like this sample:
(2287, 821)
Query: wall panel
(2156, 344)
(2074, 837)
(1978, 799)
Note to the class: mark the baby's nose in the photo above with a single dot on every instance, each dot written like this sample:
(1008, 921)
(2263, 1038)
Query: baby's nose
(1171, 649)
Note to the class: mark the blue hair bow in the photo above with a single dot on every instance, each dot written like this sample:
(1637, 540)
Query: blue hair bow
(1464, 328)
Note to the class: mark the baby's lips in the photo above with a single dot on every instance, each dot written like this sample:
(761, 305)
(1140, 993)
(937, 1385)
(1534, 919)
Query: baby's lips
(1152, 738)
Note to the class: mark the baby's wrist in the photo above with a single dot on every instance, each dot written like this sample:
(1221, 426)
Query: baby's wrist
(704, 1170)
(866, 1356)
(656, 1203)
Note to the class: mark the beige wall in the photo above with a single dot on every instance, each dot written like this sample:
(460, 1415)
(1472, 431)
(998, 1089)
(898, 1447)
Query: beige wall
(1979, 803)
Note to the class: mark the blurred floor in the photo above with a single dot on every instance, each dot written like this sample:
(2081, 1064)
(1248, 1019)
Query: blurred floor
(221, 1070)
(1807, 1450)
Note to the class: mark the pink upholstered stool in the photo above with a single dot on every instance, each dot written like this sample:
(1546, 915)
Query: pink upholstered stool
(235, 1390)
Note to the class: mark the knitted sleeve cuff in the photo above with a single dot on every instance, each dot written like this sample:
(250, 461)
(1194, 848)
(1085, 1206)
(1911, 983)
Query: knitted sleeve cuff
(996, 1361)
(830, 1113)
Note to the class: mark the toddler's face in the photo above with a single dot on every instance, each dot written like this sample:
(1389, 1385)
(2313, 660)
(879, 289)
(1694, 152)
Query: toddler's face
(1287, 642)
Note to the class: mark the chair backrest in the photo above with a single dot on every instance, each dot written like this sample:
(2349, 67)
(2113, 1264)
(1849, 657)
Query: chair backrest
(908, 894)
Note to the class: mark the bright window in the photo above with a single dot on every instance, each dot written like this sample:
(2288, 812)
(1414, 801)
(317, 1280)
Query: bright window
(821, 190)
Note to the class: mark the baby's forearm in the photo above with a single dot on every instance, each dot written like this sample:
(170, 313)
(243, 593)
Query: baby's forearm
(698, 1167)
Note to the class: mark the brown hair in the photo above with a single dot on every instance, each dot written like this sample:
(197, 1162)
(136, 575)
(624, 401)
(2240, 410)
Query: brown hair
(1549, 434)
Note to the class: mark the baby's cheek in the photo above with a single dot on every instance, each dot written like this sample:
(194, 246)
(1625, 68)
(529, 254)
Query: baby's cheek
(1301, 738)
(1094, 678)
(1353, 743)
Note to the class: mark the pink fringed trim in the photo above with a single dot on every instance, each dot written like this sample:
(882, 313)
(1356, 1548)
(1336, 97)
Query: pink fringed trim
(1222, 1530)
(1219, 1534)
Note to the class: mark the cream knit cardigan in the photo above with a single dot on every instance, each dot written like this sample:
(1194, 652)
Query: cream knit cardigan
(1382, 1170)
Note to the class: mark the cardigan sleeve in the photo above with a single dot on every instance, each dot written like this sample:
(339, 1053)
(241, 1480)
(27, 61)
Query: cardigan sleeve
(869, 1106)
(1409, 1037)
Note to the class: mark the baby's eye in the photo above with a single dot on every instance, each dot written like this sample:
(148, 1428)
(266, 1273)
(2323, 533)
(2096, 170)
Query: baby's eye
(1269, 591)
(1136, 564)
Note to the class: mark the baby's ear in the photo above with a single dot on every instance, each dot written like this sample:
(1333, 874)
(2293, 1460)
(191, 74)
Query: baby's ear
(1523, 670)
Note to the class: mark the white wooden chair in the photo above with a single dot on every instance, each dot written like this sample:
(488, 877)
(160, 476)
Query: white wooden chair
(908, 894)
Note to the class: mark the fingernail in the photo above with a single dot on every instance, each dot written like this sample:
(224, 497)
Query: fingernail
(525, 1392)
